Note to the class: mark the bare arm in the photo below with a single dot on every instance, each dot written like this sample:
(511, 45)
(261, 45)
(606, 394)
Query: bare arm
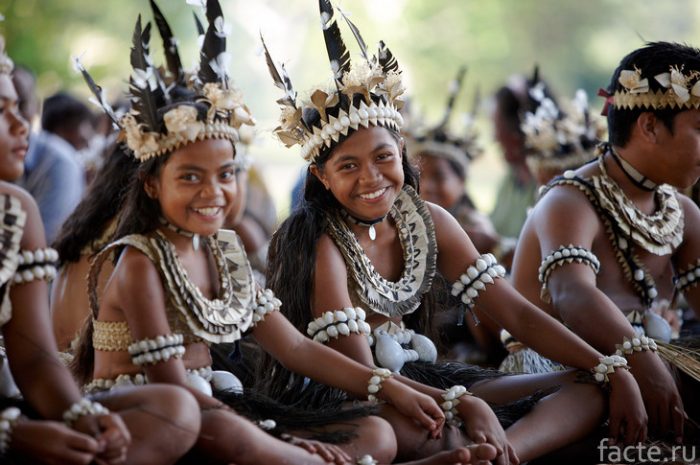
(304, 356)
(502, 303)
(29, 339)
(688, 253)
(137, 289)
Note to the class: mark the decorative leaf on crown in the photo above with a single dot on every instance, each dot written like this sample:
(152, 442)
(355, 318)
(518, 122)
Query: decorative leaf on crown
(682, 90)
(376, 79)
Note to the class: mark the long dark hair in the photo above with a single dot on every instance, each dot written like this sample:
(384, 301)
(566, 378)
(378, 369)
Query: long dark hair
(139, 214)
(99, 206)
(291, 263)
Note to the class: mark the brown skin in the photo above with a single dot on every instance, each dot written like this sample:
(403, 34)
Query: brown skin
(31, 349)
(187, 183)
(594, 306)
(441, 185)
(369, 161)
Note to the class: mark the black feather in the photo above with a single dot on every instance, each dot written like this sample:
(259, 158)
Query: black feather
(337, 52)
(535, 75)
(452, 96)
(145, 101)
(386, 59)
(172, 56)
(198, 24)
(356, 33)
(280, 77)
(97, 92)
(212, 47)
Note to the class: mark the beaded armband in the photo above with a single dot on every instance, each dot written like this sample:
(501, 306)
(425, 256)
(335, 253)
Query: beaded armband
(564, 255)
(39, 264)
(379, 375)
(333, 324)
(8, 419)
(265, 303)
(636, 344)
(451, 400)
(607, 366)
(83, 408)
(157, 350)
(477, 276)
(688, 278)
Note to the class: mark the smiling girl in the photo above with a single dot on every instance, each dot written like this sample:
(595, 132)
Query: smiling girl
(364, 239)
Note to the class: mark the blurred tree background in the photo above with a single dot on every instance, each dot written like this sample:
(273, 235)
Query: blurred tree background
(576, 44)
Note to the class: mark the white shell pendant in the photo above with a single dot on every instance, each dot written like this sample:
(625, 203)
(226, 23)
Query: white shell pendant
(225, 380)
(195, 242)
(197, 382)
(656, 327)
(372, 233)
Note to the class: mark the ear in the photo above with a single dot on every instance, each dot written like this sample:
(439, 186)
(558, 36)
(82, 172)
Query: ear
(647, 126)
(151, 187)
(320, 176)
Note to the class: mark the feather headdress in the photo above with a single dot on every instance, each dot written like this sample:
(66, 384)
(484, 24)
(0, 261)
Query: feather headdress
(439, 140)
(169, 108)
(559, 140)
(364, 94)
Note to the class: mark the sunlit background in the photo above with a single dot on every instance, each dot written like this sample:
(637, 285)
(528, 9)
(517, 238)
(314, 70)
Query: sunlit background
(575, 43)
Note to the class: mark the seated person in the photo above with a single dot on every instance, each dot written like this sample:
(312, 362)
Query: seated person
(608, 240)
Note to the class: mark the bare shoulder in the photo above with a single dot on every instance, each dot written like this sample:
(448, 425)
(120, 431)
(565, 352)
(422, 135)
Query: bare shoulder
(33, 237)
(439, 214)
(563, 200)
(330, 283)
(445, 223)
(690, 208)
(329, 259)
(16, 191)
(564, 215)
(691, 240)
(136, 277)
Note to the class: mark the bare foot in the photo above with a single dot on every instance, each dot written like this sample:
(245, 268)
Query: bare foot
(473, 454)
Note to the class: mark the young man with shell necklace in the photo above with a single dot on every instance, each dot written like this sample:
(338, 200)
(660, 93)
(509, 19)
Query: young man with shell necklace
(607, 240)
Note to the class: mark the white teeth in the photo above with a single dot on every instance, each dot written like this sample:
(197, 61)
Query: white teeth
(210, 211)
(373, 195)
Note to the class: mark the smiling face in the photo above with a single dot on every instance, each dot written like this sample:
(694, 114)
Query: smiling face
(196, 186)
(13, 132)
(364, 172)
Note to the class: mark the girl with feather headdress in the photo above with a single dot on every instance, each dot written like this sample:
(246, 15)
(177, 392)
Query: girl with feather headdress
(53, 422)
(181, 284)
(363, 239)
